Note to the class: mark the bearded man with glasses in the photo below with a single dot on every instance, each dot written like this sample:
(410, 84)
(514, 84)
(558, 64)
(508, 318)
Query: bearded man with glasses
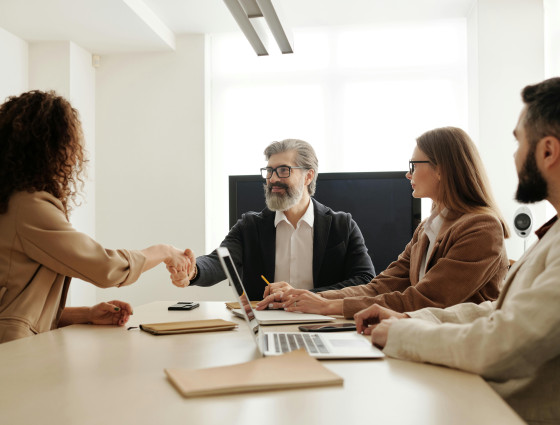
(295, 242)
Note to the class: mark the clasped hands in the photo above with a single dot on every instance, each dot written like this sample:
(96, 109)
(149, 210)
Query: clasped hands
(181, 266)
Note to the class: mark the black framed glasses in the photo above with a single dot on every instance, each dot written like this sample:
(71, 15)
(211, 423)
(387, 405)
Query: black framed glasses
(283, 171)
(411, 165)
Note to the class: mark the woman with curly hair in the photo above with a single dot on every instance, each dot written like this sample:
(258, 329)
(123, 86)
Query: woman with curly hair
(41, 162)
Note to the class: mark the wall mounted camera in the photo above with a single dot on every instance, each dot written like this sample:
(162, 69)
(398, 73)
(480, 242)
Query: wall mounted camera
(523, 221)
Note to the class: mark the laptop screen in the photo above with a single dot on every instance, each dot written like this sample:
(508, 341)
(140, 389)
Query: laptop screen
(233, 277)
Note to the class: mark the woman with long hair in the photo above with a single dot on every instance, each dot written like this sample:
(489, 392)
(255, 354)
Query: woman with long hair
(456, 255)
(42, 160)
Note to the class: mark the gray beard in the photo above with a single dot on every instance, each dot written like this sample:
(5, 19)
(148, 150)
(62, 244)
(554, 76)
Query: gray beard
(283, 201)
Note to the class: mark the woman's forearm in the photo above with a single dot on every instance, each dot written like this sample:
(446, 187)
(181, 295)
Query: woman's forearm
(154, 255)
(74, 316)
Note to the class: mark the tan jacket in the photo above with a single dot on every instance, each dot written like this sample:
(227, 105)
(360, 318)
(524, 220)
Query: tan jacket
(514, 343)
(40, 252)
(468, 263)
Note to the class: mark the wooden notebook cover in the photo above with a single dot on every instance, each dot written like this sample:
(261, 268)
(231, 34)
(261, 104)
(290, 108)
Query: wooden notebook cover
(189, 326)
(295, 369)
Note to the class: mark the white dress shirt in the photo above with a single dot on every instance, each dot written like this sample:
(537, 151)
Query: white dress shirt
(294, 250)
(431, 229)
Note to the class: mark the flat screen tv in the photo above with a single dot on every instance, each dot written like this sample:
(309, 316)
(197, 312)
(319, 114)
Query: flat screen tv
(381, 203)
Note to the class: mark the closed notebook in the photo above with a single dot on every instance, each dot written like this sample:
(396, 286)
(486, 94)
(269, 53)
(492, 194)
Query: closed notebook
(295, 369)
(234, 305)
(189, 326)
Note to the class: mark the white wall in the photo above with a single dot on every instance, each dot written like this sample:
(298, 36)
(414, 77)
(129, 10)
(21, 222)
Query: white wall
(552, 37)
(14, 60)
(144, 116)
(506, 53)
(66, 68)
(150, 160)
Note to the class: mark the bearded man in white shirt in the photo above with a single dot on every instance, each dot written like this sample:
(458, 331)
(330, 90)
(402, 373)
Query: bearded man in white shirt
(296, 242)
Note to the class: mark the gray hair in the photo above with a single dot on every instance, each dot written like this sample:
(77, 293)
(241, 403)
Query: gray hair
(305, 157)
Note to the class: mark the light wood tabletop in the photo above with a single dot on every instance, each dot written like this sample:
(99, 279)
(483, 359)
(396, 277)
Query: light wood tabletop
(86, 374)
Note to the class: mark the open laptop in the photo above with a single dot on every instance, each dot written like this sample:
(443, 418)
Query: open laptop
(346, 345)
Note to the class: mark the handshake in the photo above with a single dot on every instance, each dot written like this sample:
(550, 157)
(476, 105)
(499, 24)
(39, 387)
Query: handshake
(181, 266)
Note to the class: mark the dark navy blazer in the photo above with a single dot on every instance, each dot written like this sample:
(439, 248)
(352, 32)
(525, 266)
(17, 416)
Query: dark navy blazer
(340, 256)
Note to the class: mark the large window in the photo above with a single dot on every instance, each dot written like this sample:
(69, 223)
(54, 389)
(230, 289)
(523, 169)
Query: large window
(360, 96)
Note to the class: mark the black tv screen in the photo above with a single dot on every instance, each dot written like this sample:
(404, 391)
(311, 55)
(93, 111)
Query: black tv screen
(381, 203)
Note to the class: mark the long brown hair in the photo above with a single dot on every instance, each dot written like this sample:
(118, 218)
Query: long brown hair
(464, 186)
(41, 147)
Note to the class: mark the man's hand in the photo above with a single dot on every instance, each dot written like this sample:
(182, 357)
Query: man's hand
(381, 332)
(110, 313)
(275, 287)
(278, 298)
(301, 300)
(369, 318)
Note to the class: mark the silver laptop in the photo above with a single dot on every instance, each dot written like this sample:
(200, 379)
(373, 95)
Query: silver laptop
(346, 345)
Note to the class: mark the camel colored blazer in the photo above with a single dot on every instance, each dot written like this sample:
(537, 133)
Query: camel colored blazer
(468, 264)
(40, 252)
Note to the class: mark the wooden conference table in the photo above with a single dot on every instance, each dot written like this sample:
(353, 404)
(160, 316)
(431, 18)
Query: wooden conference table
(100, 374)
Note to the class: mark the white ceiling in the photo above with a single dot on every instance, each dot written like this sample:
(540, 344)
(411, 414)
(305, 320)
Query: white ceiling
(111, 26)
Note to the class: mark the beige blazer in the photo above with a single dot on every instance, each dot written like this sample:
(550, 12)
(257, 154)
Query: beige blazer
(467, 264)
(40, 252)
(514, 343)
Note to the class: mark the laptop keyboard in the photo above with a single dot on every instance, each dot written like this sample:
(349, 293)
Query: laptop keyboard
(285, 342)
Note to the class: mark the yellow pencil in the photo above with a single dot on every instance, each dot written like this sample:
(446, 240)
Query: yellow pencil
(264, 278)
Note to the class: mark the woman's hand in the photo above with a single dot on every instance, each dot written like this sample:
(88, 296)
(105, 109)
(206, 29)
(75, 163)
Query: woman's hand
(110, 313)
(177, 259)
(181, 264)
(310, 302)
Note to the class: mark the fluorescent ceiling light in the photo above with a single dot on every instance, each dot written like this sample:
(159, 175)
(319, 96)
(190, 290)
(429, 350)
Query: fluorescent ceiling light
(249, 15)
(275, 26)
(246, 27)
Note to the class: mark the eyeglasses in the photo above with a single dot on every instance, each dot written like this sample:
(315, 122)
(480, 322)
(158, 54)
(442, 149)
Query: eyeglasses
(284, 171)
(411, 165)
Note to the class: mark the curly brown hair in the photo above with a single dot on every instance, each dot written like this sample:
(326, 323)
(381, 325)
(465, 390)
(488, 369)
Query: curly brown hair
(41, 147)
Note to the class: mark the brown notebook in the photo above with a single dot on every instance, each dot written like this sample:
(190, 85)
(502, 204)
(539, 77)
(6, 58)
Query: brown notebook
(235, 305)
(295, 369)
(189, 326)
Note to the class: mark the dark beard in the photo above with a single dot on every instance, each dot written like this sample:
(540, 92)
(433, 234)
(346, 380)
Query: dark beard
(532, 186)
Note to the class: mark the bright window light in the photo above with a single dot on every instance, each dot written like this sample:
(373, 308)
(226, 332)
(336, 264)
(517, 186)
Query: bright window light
(360, 96)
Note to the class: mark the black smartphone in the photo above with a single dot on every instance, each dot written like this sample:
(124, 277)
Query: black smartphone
(183, 305)
(330, 327)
